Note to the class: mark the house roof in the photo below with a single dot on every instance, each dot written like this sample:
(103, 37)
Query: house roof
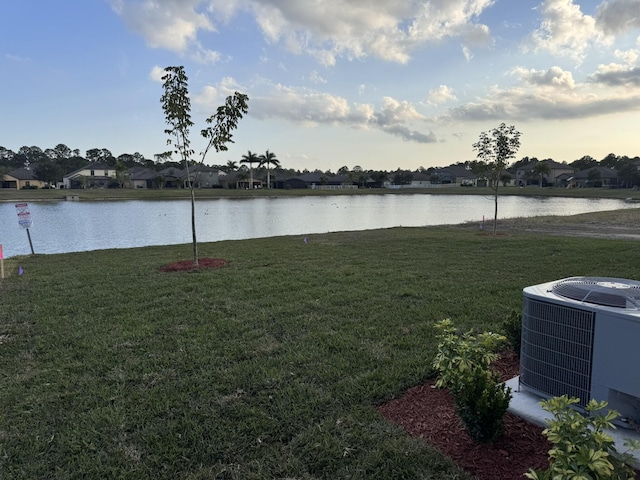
(172, 172)
(553, 165)
(603, 171)
(22, 174)
(142, 173)
(458, 171)
(91, 166)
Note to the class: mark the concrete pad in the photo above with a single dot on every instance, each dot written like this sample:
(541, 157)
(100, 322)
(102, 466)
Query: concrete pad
(526, 405)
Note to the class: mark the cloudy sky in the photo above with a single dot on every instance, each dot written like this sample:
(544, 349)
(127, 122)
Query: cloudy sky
(383, 84)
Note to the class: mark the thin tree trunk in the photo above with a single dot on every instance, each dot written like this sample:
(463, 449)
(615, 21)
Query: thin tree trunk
(193, 227)
(495, 211)
(193, 216)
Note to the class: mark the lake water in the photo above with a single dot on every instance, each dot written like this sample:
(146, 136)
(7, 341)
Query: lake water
(60, 226)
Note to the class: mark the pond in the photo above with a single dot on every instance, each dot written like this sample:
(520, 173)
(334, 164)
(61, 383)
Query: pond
(60, 226)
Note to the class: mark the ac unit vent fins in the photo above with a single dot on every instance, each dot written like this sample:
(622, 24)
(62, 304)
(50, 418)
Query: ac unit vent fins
(608, 292)
(557, 349)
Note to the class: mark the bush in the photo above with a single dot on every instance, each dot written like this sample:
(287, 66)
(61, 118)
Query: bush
(581, 448)
(463, 364)
(512, 327)
(481, 404)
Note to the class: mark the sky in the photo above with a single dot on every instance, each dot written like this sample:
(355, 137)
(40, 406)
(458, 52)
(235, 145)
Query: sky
(381, 84)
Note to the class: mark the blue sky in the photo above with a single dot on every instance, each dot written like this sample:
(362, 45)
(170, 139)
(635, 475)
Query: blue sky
(383, 84)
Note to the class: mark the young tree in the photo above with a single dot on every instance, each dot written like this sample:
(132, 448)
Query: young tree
(177, 110)
(495, 148)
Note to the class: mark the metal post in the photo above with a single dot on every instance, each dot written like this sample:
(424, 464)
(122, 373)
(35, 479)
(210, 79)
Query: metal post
(30, 243)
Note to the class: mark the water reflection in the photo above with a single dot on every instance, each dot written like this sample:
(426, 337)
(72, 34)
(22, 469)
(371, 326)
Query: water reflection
(79, 226)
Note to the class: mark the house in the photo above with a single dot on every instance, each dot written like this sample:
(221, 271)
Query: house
(597, 177)
(204, 176)
(526, 176)
(21, 178)
(171, 177)
(320, 181)
(94, 175)
(455, 174)
(142, 177)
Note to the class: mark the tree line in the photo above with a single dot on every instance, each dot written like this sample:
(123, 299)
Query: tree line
(51, 164)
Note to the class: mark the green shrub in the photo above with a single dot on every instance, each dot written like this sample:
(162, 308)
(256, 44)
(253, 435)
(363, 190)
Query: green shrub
(481, 404)
(581, 449)
(512, 327)
(463, 364)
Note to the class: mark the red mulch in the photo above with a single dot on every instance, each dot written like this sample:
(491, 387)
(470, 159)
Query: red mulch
(187, 265)
(429, 413)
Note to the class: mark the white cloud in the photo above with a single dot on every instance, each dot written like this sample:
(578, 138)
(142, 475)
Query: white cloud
(553, 94)
(442, 94)
(328, 29)
(170, 24)
(156, 74)
(210, 97)
(565, 30)
(311, 108)
(554, 77)
(315, 77)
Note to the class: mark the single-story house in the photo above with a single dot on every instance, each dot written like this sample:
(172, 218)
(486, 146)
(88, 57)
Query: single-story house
(21, 178)
(320, 180)
(597, 177)
(142, 177)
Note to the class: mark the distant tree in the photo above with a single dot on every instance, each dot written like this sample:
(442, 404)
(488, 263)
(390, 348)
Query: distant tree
(249, 159)
(610, 161)
(48, 171)
(343, 170)
(541, 169)
(27, 156)
(231, 166)
(495, 148)
(269, 159)
(584, 163)
(177, 109)
(62, 151)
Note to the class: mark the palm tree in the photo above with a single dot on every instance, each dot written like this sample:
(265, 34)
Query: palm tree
(269, 159)
(231, 165)
(541, 168)
(250, 158)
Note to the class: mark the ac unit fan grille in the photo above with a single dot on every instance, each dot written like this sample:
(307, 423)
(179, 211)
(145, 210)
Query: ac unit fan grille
(608, 292)
(557, 349)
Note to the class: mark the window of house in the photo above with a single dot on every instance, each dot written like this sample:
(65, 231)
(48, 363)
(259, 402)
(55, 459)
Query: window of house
(92, 173)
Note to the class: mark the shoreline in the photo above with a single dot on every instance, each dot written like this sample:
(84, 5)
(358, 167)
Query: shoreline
(631, 195)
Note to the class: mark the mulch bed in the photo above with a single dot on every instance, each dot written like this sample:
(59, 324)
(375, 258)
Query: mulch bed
(187, 265)
(429, 413)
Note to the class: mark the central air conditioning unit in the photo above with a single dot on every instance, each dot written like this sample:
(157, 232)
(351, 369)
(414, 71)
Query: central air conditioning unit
(581, 338)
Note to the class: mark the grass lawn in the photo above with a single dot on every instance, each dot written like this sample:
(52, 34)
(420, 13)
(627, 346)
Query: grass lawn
(268, 368)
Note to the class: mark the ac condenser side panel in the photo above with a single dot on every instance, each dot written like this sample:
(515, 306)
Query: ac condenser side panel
(557, 348)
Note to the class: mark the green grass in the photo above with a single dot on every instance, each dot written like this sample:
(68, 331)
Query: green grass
(268, 368)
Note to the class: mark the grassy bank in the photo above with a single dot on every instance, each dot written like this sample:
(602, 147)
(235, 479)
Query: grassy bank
(7, 195)
(268, 368)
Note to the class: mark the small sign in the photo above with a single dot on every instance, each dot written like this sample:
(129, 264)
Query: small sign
(24, 216)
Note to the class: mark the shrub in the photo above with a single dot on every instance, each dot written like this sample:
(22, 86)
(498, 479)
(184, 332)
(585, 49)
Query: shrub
(581, 449)
(463, 364)
(512, 327)
(481, 404)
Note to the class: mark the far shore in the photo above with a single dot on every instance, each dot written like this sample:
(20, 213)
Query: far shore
(8, 195)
